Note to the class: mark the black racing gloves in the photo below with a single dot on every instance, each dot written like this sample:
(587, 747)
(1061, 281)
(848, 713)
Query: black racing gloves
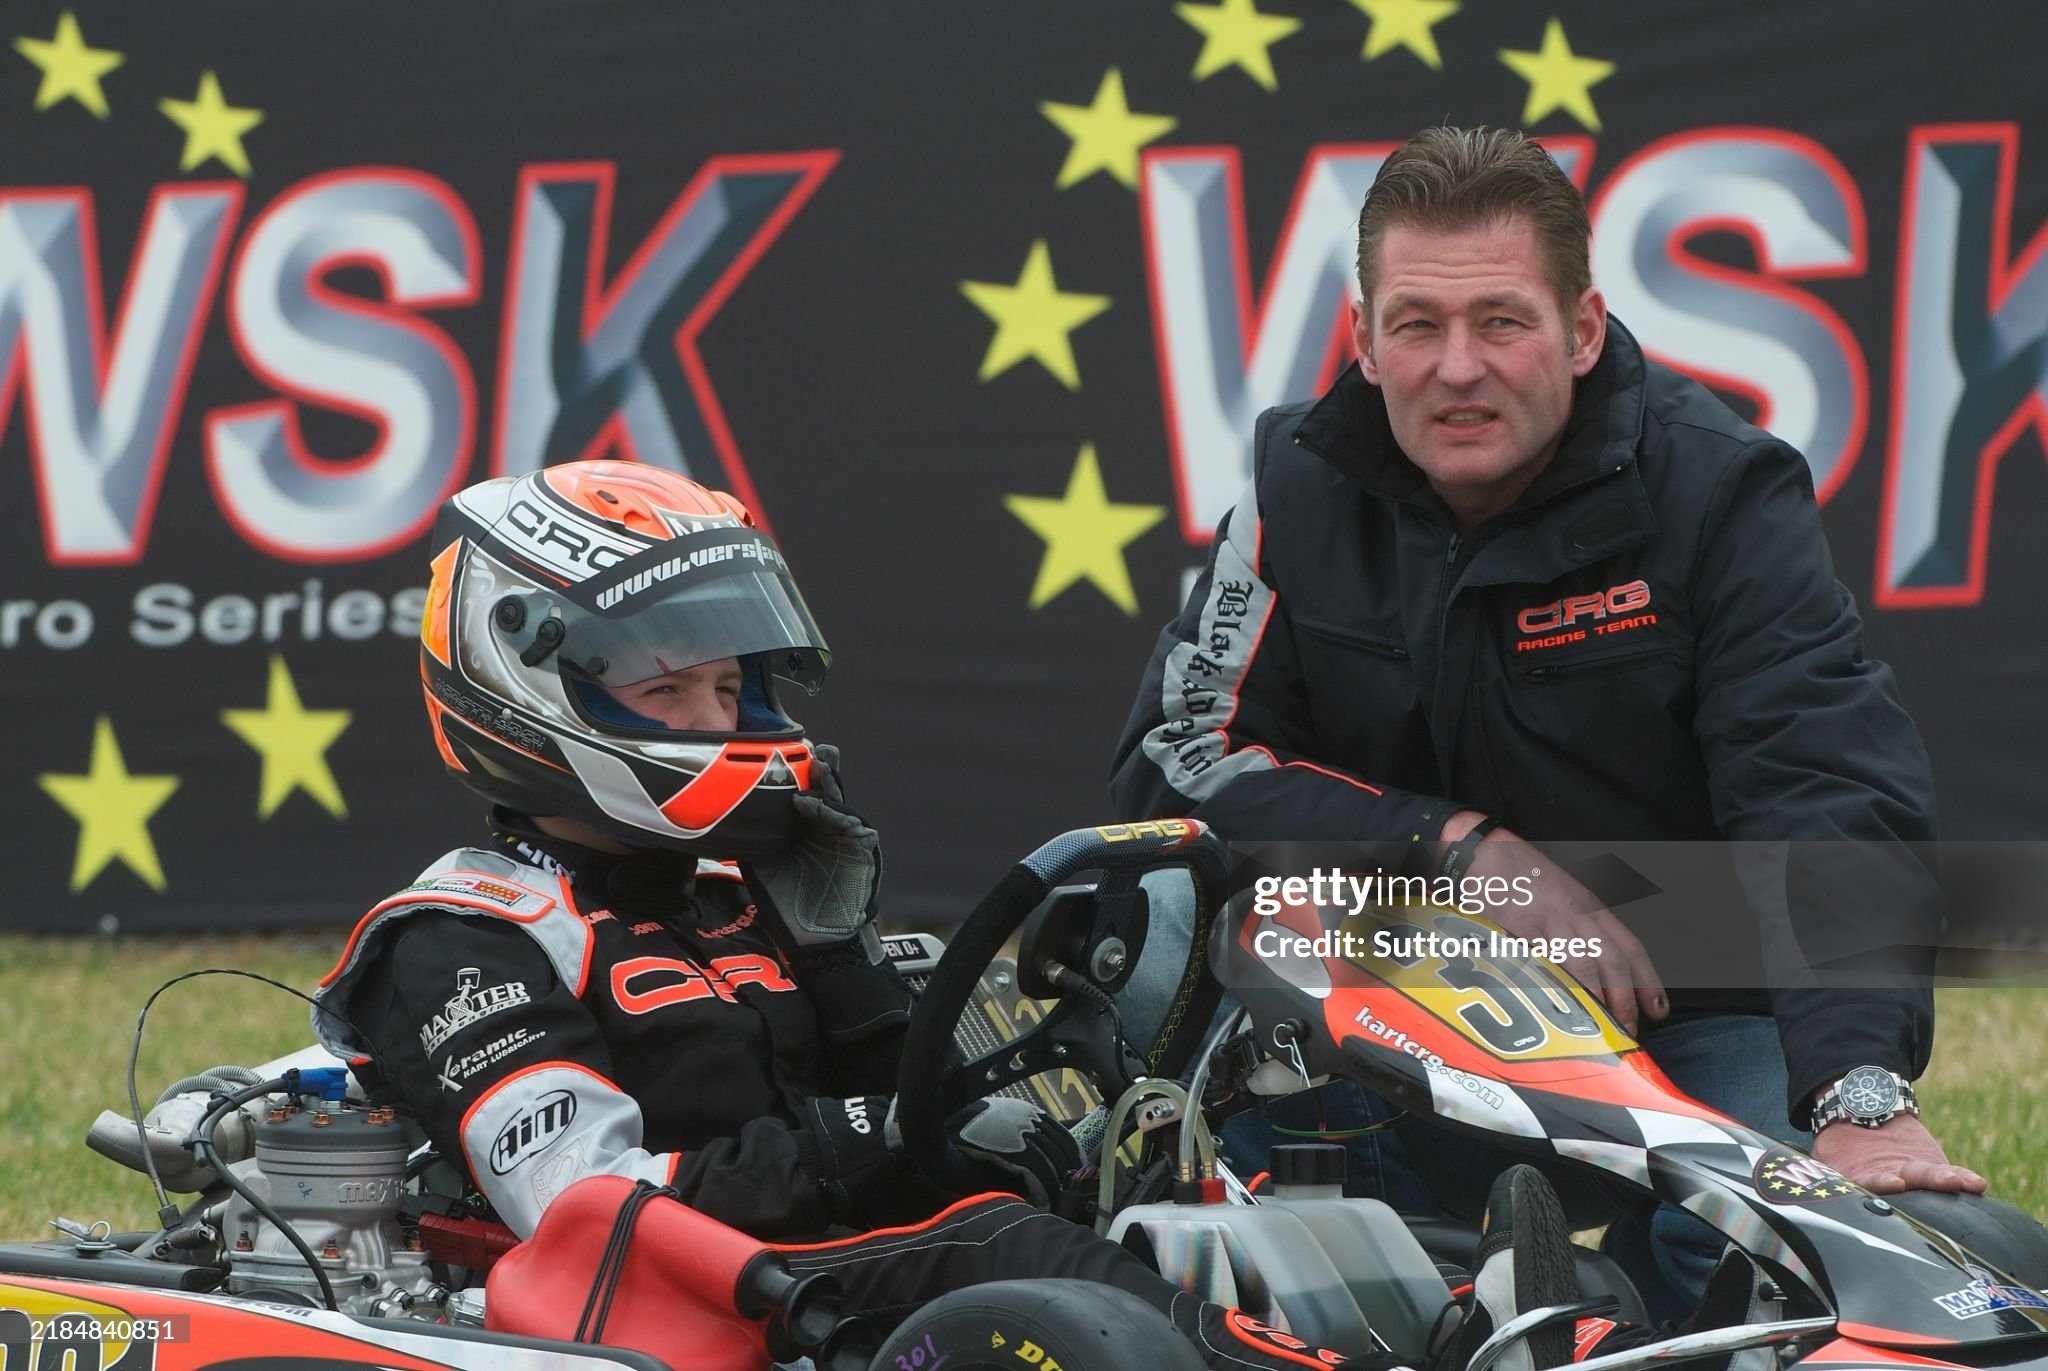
(851, 1148)
(822, 890)
(1025, 1149)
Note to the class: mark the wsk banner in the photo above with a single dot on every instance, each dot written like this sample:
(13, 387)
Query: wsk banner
(976, 306)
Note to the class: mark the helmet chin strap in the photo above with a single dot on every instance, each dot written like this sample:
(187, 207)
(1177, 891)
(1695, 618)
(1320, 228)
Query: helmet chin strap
(582, 834)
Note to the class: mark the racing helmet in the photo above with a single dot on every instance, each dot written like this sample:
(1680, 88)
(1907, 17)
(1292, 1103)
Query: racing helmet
(551, 586)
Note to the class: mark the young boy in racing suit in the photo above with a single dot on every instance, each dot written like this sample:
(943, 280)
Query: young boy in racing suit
(592, 991)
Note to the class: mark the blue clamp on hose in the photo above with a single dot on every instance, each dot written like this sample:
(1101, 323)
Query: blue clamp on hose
(330, 1083)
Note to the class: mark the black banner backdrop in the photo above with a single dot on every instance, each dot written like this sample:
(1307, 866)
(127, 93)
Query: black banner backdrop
(975, 303)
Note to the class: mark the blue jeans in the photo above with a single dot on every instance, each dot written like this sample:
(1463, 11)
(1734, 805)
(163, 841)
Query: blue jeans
(1731, 1062)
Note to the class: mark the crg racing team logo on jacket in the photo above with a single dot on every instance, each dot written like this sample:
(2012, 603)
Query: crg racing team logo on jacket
(1575, 618)
(531, 1131)
(467, 1005)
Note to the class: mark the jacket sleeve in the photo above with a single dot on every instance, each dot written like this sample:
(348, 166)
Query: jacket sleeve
(512, 1079)
(1221, 729)
(1819, 777)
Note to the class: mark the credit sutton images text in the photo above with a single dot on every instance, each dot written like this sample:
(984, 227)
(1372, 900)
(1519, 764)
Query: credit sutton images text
(1331, 888)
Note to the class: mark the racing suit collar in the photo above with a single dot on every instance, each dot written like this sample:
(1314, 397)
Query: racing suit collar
(651, 883)
(1348, 428)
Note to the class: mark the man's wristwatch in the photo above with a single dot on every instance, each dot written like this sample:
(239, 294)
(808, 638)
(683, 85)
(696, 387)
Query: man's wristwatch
(1869, 1096)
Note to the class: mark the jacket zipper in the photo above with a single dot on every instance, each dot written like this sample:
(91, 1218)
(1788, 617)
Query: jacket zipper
(1443, 598)
(1537, 673)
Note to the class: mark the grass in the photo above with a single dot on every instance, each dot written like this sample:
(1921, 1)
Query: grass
(71, 1006)
(69, 1018)
(1986, 1094)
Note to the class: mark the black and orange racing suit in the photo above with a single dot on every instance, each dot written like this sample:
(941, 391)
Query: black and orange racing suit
(550, 1012)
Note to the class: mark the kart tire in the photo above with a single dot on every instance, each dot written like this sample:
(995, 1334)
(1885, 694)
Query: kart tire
(1080, 1325)
(2010, 1239)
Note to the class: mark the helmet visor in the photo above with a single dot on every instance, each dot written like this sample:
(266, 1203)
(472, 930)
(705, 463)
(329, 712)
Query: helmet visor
(686, 601)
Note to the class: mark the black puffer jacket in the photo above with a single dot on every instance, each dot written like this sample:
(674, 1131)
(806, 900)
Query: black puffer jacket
(1649, 646)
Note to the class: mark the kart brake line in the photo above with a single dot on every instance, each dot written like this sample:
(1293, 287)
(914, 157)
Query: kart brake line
(167, 1215)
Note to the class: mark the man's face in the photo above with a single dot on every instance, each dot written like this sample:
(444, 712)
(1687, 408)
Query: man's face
(702, 699)
(1466, 340)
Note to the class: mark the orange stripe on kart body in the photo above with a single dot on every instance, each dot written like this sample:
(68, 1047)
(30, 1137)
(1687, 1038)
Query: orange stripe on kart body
(205, 1330)
(1856, 1342)
(1415, 1004)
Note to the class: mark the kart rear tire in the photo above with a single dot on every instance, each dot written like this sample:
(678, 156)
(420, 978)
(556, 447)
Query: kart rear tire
(1080, 1325)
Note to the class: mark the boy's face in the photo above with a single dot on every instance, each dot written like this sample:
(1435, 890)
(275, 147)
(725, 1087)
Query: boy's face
(696, 699)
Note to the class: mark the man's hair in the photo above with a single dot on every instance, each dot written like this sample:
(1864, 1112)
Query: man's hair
(1450, 179)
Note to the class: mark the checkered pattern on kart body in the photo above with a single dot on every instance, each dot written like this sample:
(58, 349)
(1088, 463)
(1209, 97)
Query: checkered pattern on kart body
(1667, 1149)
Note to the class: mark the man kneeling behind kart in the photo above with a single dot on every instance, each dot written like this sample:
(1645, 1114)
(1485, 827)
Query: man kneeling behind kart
(588, 993)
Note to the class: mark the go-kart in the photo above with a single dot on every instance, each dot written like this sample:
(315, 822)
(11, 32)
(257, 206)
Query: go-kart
(1129, 934)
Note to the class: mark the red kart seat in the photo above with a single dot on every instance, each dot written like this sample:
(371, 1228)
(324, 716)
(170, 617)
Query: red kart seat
(677, 1293)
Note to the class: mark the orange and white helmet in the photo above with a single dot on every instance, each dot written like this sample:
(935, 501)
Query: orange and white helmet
(551, 586)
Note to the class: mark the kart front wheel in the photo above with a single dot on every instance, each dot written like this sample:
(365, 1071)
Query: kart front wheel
(1076, 1325)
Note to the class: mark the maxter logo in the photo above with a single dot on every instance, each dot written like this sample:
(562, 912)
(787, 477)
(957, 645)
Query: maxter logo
(470, 1002)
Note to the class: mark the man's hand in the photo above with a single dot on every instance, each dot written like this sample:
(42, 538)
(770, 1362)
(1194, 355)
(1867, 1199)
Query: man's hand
(1621, 976)
(1898, 1155)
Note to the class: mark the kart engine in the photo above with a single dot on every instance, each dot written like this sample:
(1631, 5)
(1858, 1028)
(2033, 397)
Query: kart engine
(336, 1175)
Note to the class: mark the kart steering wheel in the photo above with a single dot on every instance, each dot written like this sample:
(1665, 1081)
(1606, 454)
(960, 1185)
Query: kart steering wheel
(927, 1091)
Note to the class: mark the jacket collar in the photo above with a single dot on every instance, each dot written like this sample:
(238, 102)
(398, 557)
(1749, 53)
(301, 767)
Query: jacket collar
(651, 882)
(1348, 428)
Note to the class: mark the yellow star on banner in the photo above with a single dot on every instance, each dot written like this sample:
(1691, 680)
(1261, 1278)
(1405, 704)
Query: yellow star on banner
(1033, 319)
(71, 70)
(1106, 134)
(213, 127)
(1235, 34)
(1085, 535)
(293, 741)
(113, 809)
(1558, 79)
(1405, 24)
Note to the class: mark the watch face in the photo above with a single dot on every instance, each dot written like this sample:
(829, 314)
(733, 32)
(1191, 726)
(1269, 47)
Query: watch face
(1869, 1092)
